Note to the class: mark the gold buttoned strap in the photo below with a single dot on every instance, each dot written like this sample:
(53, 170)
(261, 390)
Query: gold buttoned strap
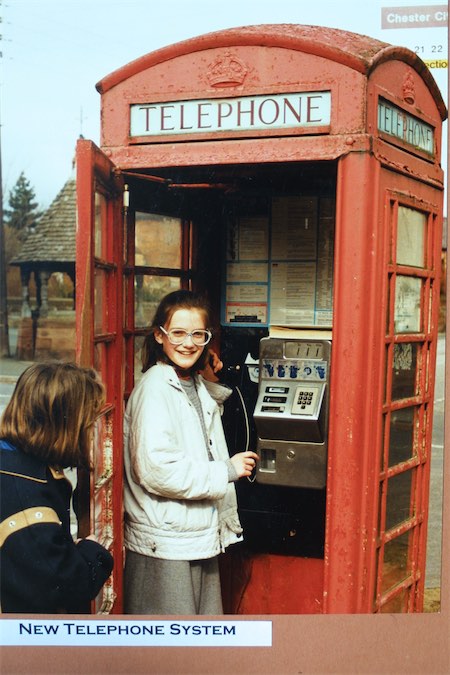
(21, 519)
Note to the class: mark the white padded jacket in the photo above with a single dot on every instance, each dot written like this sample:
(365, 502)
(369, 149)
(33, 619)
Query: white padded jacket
(179, 505)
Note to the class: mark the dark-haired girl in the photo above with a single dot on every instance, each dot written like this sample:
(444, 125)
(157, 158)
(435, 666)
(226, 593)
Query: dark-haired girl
(180, 501)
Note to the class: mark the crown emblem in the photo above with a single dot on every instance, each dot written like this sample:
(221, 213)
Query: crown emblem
(409, 90)
(226, 71)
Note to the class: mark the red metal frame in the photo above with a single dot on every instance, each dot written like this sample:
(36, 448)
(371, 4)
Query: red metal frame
(100, 345)
(421, 403)
(357, 350)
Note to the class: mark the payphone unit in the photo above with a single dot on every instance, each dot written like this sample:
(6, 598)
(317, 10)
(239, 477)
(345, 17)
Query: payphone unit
(291, 412)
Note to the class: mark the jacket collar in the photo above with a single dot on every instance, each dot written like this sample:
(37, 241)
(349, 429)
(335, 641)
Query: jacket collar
(170, 376)
(18, 461)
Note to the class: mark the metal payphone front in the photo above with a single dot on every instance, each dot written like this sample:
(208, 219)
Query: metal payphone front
(291, 413)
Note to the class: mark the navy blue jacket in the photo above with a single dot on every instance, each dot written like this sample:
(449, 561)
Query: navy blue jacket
(42, 569)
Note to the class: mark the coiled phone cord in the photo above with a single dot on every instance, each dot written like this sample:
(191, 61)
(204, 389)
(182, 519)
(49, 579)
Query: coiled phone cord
(251, 479)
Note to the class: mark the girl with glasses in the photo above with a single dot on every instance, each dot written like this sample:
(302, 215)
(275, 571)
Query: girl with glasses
(180, 500)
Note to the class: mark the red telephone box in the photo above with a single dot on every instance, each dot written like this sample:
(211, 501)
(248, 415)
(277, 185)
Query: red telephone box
(294, 173)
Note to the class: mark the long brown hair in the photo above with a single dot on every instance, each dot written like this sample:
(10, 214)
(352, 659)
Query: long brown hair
(152, 351)
(51, 412)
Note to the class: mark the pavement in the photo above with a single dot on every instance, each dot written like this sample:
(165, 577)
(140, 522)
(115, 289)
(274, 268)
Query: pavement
(434, 534)
(11, 368)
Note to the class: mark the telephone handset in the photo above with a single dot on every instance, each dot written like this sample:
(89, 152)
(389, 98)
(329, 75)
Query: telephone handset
(291, 412)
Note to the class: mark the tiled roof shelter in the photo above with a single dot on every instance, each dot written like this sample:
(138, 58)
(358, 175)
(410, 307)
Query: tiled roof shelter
(49, 248)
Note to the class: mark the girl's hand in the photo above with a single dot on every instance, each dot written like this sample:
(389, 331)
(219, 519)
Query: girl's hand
(244, 463)
(213, 365)
(92, 537)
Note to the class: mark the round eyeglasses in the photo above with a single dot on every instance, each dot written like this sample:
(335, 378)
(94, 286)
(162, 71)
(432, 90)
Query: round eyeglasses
(177, 336)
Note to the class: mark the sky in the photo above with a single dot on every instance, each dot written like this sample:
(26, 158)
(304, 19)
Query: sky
(55, 51)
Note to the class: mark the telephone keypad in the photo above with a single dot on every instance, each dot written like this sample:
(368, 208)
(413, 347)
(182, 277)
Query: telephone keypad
(305, 400)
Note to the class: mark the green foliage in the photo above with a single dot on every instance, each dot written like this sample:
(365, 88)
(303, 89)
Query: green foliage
(22, 214)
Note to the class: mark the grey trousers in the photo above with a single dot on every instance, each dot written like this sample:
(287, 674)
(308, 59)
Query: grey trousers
(155, 586)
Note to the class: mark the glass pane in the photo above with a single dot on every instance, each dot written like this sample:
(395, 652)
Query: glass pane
(138, 342)
(381, 487)
(148, 291)
(411, 229)
(105, 599)
(102, 449)
(125, 301)
(407, 313)
(103, 515)
(398, 499)
(388, 307)
(398, 604)
(100, 361)
(401, 438)
(396, 564)
(126, 227)
(99, 226)
(404, 370)
(157, 240)
(429, 326)
(383, 443)
(100, 302)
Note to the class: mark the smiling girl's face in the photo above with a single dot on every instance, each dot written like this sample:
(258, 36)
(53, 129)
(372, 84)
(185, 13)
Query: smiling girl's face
(185, 355)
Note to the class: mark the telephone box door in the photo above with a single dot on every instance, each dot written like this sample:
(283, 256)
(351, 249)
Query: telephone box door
(99, 345)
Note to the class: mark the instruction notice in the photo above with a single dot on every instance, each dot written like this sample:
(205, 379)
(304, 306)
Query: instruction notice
(279, 266)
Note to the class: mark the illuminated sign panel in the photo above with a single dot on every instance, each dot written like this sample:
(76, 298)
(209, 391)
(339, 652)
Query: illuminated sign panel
(247, 113)
(400, 125)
